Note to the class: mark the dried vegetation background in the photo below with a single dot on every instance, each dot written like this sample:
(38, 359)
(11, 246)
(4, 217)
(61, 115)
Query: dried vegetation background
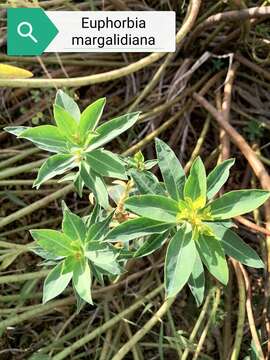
(210, 98)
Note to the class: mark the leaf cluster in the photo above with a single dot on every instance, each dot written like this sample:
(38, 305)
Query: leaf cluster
(180, 211)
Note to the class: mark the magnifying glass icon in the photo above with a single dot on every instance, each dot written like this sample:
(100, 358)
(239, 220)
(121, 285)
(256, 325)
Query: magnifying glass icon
(25, 29)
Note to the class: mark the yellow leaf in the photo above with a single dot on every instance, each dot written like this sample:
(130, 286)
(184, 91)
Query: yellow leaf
(13, 72)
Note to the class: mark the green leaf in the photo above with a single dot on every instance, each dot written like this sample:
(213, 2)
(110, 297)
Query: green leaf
(213, 257)
(66, 124)
(68, 264)
(78, 183)
(16, 130)
(90, 117)
(106, 163)
(180, 258)
(38, 250)
(146, 182)
(196, 281)
(79, 302)
(218, 177)
(54, 165)
(54, 241)
(149, 164)
(99, 230)
(153, 243)
(103, 256)
(154, 207)
(235, 247)
(172, 172)
(66, 102)
(237, 202)
(46, 137)
(95, 183)
(195, 186)
(82, 280)
(136, 228)
(93, 217)
(55, 283)
(73, 226)
(113, 128)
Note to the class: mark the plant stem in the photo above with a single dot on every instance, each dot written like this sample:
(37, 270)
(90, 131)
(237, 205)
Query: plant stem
(241, 311)
(20, 169)
(144, 330)
(35, 206)
(23, 277)
(207, 326)
(113, 321)
(198, 324)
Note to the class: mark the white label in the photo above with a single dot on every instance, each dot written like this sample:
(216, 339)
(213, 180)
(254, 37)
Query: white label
(113, 31)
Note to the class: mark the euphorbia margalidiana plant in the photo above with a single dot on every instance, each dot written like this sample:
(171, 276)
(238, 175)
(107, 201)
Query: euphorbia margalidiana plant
(198, 225)
(182, 211)
(77, 141)
(78, 252)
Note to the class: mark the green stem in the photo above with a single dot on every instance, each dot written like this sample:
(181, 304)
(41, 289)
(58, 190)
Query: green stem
(241, 312)
(144, 330)
(113, 321)
(18, 157)
(35, 206)
(207, 326)
(198, 324)
(20, 169)
(23, 277)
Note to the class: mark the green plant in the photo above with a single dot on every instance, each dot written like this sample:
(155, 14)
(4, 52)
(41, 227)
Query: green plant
(180, 210)
(77, 141)
(78, 253)
(199, 228)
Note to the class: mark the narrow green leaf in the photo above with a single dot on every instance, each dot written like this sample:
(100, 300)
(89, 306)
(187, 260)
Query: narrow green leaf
(172, 172)
(154, 207)
(196, 281)
(54, 241)
(66, 124)
(99, 230)
(66, 102)
(149, 164)
(180, 258)
(153, 243)
(237, 202)
(235, 247)
(78, 182)
(53, 166)
(90, 117)
(195, 186)
(82, 280)
(135, 228)
(92, 218)
(146, 182)
(218, 177)
(103, 256)
(38, 250)
(113, 128)
(46, 137)
(95, 183)
(106, 163)
(73, 226)
(79, 302)
(55, 283)
(213, 257)
(68, 264)
(16, 130)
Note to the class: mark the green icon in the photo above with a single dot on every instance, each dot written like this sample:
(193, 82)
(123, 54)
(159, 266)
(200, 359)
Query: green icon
(29, 32)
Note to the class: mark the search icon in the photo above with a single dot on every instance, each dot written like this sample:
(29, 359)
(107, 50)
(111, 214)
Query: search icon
(28, 33)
